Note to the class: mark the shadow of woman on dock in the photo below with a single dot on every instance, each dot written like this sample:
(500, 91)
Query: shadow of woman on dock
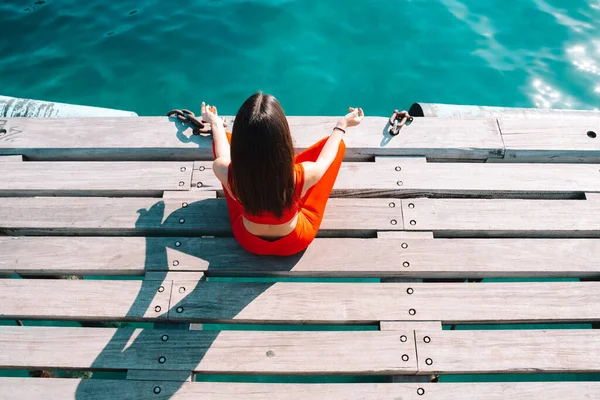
(167, 347)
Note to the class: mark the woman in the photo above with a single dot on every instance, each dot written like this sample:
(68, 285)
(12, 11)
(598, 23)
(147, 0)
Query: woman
(276, 200)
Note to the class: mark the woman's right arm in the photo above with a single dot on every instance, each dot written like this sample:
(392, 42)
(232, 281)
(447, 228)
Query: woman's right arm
(221, 144)
(314, 171)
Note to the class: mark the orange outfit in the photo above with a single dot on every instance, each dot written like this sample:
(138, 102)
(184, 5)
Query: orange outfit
(311, 208)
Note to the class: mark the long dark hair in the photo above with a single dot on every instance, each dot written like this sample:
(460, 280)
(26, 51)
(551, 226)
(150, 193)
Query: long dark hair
(262, 156)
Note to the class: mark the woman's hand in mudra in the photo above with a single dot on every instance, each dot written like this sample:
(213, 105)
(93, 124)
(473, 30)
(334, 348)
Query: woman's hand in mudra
(353, 118)
(210, 115)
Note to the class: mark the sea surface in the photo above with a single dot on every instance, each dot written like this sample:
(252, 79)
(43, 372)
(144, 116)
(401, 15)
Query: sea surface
(317, 57)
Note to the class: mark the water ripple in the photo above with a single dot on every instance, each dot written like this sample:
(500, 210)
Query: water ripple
(317, 57)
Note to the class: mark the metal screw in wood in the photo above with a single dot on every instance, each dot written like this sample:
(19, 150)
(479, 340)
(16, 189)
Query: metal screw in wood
(399, 183)
(177, 243)
(182, 289)
(398, 168)
(410, 290)
(162, 360)
(403, 338)
(270, 353)
(179, 310)
(164, 338)
(199, 184)
(413, 222)
(411, 205)
(420, 391)
(412, 311)
(392, 205)
(406, 264)
(404, 357)
(182, 169)
(429, 361)
(157, 308)
(427, 339)
(201, 168)
(161, 289)
(181, 220)
(404, 245)
(184, 204)
(181, 183)
(175, 263)
(393, 222)
(156, 390)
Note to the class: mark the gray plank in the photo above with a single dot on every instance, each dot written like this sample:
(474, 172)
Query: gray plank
(157, 138)
(287, 302)
(404, 257)
(404, 235)
(402, 177)
(95, 178)
(522, 351)
(238, 352)
(100, 389)
(11, 159)
(293, 302)
(147, 216)
(500, 217)
(551, 140)
(77, 255)
(510, 391)
(84, 299)
(410, 325)
(173, 275)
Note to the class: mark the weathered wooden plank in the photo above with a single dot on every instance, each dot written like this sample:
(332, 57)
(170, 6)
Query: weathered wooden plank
(504, 302)
(469, 179)
(11, 159)
(158, 138)
(402, 177)
(522, 351)
(258, 302)
(95, 178)
(101, 389)
(292, 303)
(479, 258)
(404, 235)
(81, 300)
(510, 391)
(190, 195)
(405, 257)
(173, 275)
(551, 140)
(147, 216)
(286, 302)
(486, 217)
(410, 325)
(237, 352)
(77, 255)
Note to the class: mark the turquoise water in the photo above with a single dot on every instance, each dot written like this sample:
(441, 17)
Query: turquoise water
(317, 56)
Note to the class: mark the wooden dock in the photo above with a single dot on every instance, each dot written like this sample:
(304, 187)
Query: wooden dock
(425, 216)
